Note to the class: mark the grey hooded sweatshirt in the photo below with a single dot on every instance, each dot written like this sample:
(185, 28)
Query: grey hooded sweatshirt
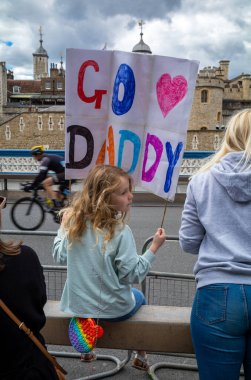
(216, 223)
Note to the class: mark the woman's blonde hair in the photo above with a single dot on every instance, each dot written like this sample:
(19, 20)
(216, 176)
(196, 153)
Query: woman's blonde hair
(8, 248)
(93, 204)
(237, 138)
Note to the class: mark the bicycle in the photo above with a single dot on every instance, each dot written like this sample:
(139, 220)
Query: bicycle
(28, 213)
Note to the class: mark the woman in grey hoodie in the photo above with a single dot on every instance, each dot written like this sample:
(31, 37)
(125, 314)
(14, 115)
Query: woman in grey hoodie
(215, 225)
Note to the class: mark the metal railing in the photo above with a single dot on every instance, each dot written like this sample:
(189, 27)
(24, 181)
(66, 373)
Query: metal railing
(160, 288)
(168, 289)
(55, 277)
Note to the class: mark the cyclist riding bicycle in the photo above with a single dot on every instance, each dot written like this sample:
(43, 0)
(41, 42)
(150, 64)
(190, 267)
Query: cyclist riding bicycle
(49, 162)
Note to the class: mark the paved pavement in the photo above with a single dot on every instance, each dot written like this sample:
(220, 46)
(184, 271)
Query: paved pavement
(77, 369)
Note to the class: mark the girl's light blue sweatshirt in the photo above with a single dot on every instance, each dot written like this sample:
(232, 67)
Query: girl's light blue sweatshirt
(98, 283)
(216, 223)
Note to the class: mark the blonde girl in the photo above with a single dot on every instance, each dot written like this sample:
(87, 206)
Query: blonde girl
(237, 139)
(215, 225)
(100, 251)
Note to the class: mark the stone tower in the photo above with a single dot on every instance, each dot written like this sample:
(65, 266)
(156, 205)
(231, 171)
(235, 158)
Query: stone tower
(40, 60)
(206, 111)
(3, 86)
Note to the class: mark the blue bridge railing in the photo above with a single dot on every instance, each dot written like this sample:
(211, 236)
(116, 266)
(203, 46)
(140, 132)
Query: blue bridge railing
(194, 154)
(16, 164)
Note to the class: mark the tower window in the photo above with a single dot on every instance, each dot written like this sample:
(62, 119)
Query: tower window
(7, 133)
(195, 142)
(16, 90)
(47, 85)
(204, 96)
(40, 123)
(21, 124)
(50, 123)
(216, 142)
(59, 86)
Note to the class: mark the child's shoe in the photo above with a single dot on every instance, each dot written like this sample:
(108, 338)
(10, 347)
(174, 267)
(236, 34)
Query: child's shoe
(90, 357)
(140, 362)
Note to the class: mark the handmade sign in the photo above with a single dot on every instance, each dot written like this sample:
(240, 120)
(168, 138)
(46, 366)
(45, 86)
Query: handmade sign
(130, 110)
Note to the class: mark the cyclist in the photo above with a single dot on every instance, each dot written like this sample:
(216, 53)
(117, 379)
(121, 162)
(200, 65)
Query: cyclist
(48, 162)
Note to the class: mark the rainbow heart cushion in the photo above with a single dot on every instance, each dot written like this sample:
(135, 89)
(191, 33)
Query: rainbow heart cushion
(83, 334)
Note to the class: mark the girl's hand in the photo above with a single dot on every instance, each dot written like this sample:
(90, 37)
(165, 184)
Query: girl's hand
(158, 240)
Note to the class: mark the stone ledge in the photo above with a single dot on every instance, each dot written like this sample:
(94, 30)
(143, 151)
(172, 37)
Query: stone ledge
(152, 328)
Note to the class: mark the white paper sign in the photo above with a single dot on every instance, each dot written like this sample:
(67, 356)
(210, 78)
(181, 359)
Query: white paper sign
(130, 110)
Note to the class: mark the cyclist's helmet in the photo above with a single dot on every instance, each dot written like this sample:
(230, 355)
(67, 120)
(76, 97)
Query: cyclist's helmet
(37, 149)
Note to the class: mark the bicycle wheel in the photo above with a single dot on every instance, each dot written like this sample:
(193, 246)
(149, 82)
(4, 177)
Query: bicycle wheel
(27, 214)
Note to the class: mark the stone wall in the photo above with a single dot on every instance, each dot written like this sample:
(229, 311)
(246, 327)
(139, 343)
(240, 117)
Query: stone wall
(33, 128)
(48, 128)
(204, 140)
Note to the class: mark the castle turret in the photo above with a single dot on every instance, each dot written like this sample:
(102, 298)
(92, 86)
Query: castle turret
(246, 82)
(3, 86)
(206, 111)
(40, 60)
(224, 67)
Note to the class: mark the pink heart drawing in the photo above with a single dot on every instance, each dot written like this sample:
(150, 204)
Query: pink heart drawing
(170, 91)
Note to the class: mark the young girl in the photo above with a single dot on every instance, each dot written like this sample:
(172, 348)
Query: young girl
(100, 251)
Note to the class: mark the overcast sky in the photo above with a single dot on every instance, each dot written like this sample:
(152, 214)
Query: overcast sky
(207, 31)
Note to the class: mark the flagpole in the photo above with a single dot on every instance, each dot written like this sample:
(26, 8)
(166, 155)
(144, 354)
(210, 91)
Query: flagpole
(164, 214)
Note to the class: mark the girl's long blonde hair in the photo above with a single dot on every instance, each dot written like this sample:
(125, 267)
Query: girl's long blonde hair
(237, 139)
(93, 204)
